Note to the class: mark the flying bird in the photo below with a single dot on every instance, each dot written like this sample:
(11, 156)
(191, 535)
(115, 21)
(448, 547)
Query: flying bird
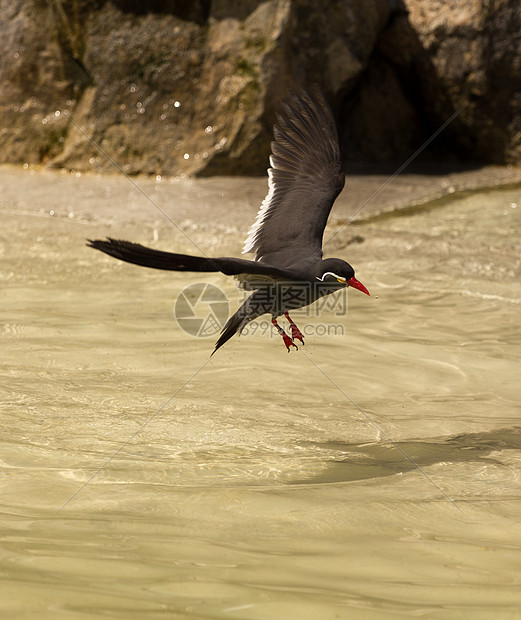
(287, 271)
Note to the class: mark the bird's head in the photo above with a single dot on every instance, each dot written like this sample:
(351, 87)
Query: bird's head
(337, 271)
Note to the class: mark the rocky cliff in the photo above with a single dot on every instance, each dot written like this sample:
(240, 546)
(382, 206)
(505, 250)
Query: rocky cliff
(192, 86)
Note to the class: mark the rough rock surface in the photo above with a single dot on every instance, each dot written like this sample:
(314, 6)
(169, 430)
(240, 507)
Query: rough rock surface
(192, 86)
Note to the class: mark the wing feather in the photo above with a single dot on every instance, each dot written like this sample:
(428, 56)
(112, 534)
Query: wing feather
(304, 180)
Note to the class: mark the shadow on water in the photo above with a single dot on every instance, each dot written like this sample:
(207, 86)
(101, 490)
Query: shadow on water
(379, 460)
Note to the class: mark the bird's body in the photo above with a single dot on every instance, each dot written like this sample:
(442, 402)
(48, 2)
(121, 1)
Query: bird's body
(288, 271)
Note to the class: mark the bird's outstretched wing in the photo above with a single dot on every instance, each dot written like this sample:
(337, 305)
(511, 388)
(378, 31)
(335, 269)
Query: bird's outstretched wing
(304, 179)
(138, 254)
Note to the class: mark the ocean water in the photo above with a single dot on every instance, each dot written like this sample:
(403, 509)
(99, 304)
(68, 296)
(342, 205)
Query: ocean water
(373, 473)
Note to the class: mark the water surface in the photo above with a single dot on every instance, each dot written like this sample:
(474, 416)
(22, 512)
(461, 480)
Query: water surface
(374, 473)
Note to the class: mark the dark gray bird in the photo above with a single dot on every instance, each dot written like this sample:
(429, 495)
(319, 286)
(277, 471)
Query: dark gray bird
(288, 271)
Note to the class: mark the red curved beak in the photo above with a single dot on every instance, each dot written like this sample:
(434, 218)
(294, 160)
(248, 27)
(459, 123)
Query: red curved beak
(356, 284)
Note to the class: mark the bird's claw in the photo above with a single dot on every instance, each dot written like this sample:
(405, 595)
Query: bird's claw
(288, 342)
(296, 333)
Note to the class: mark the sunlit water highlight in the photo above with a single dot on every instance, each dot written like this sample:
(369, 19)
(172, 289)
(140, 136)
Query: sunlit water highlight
(267, 486)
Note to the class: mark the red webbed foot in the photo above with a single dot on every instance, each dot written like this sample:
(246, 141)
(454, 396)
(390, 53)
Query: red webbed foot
(295, 331)
(288, 342)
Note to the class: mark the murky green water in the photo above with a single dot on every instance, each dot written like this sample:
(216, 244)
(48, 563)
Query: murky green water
(372, 474)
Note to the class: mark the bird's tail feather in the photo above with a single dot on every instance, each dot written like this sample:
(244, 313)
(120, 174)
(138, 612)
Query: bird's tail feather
(234, 324)
(251, 309)
(148, 257)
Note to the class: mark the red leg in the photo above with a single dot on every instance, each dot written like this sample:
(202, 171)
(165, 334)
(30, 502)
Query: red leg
(295, 331)
(287, 340)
